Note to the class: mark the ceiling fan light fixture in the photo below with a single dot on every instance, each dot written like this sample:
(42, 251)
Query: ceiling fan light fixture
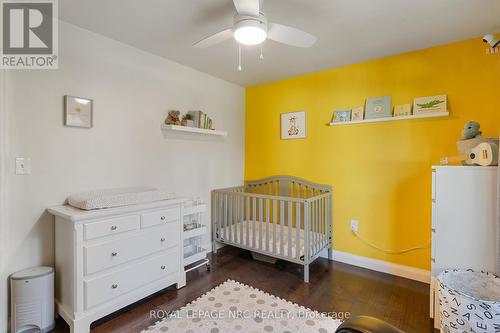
(250, 32)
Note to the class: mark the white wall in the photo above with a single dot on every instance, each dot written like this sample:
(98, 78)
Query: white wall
(132, 92)
(3, 202)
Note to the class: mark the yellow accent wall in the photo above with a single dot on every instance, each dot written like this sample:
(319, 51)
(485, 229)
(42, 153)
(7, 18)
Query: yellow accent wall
(380, 172)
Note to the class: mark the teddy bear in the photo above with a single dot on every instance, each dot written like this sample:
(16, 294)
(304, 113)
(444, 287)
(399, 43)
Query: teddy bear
(173, 118)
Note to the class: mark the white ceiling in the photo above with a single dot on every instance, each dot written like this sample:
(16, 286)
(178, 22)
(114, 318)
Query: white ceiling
(348, 31)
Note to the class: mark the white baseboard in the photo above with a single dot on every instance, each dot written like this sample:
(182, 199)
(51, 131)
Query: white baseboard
(408, 272)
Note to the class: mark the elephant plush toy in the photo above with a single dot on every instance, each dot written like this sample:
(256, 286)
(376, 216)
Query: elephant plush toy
(471, 130)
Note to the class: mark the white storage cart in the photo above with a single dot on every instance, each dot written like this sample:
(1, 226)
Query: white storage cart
(194, 230)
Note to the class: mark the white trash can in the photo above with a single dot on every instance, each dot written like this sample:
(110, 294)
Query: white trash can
(32, 300)
(469, 301)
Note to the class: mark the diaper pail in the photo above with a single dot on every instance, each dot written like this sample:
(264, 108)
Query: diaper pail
(32, 300)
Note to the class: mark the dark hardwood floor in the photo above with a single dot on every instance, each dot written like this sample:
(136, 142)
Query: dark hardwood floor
(334, 287)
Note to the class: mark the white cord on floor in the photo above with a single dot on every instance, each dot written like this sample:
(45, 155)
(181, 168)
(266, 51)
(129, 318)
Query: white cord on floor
(422, 247)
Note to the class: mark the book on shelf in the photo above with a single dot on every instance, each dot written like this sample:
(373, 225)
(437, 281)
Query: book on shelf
(201, 120)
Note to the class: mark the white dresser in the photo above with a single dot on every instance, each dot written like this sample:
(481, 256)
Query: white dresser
(107, 259)
(464, 218)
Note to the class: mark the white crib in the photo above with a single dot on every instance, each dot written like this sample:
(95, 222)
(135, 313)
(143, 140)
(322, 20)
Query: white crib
(283, 217)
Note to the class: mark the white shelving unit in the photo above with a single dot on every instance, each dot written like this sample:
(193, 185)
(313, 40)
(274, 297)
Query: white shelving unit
(196, 130)
(377, 120)
(194, 228)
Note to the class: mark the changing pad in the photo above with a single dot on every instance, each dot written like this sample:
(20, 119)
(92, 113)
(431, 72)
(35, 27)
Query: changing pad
(116, 197)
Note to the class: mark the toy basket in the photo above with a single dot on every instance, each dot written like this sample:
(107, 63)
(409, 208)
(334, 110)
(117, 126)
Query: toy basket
(469, 301)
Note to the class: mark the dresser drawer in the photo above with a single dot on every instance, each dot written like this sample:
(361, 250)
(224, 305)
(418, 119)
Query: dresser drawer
(160, 216)
(107, 287)
(111, 226)
(115, 252)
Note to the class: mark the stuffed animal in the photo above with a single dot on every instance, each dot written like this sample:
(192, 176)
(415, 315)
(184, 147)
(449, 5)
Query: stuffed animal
(471, 130)
(173, 118)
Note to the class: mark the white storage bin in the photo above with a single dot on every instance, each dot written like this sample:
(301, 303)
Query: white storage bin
(469, 301)
(32, 300)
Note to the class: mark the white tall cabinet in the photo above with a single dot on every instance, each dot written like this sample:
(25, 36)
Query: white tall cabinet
(464, 219)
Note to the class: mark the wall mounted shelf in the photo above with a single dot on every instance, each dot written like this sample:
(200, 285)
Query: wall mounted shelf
(377, 120)
(196, 130)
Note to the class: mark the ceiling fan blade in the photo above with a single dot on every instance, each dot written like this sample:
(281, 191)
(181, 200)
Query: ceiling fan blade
(214, 39)
(290, 36)
(247, 7)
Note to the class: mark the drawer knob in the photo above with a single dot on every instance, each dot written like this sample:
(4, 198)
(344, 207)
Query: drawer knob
(163, 267)
(162, 218)
(114, 286)
(114, 227)
(162, 239)
(114, 254)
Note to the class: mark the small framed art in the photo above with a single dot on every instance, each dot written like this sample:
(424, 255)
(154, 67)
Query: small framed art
(402, 110)
(379, 107)
(293, 125)
(78, 112)
(429, 104)
(341, 116)
(358, 113)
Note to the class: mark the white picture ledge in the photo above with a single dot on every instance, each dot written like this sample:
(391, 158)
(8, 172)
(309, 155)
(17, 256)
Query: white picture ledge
(377, 120)
(196, 130)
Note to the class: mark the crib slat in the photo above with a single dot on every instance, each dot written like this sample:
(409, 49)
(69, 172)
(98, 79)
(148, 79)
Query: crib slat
(254, 213)
(226, 212)
(289, 240)
(297, 230)
(230, 218)
(260, 223)
(325, 208)
(315, 226)
(247, 222)
(318, 221)
(307, 232)
(275, 214)
(268, 203)
(282, 220)
(236, 217)
(242, 217)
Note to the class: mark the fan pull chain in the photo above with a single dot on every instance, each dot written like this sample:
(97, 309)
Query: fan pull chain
(261, 52)
(239, 57)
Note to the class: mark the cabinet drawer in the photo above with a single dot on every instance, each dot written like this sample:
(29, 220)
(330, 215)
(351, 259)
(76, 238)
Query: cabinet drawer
(160, 217)
(111, 226)
(107, 287)
(115, 252)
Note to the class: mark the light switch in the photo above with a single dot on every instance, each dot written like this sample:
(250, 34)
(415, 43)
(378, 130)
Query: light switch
(23, 165)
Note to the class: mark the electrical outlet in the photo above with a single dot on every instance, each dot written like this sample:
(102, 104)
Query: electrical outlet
(354, 225)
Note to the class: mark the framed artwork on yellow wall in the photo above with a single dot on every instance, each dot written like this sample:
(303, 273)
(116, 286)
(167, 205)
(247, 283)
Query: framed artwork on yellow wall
(430, 104)
(358, 113)
(293, 125)
(402, 110)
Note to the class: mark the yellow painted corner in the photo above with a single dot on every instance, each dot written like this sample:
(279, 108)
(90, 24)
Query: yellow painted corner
(380, 172)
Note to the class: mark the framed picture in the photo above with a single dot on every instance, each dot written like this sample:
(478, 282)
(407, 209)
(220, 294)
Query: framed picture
(358, 113)
(430, 104)
(78, 112)
(379, 107)
(402, 110)
(341, 116)
(293, 125)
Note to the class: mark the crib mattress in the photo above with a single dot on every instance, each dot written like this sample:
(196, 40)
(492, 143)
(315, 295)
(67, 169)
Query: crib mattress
(246, 228)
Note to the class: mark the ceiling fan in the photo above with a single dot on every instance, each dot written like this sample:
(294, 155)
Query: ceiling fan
(250, 27)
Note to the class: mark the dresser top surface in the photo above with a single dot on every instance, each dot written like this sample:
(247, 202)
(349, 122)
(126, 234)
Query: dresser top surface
(465, 167)
(79, 215)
